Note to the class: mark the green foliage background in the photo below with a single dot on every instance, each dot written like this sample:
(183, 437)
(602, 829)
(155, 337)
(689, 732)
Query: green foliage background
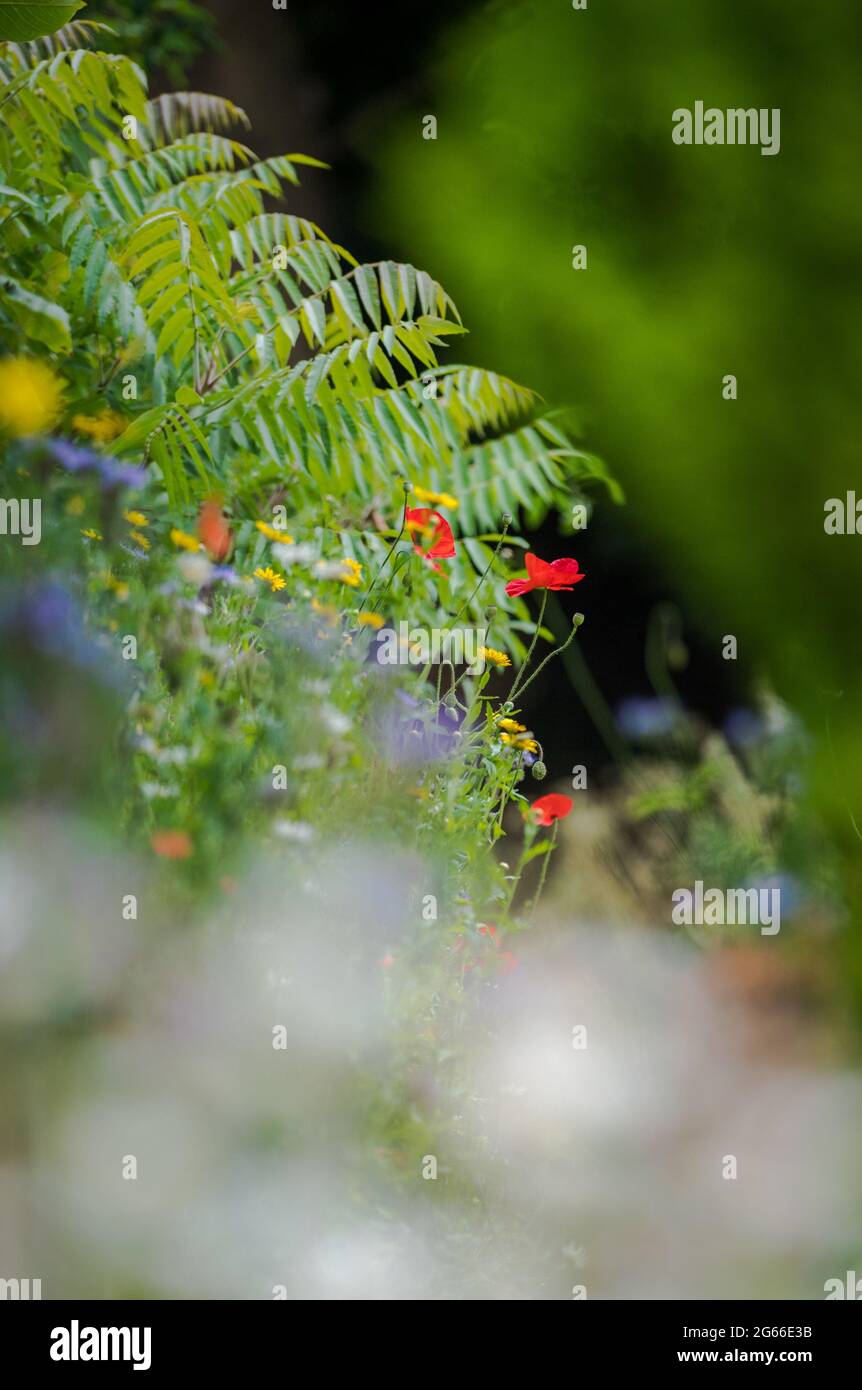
(554, 131)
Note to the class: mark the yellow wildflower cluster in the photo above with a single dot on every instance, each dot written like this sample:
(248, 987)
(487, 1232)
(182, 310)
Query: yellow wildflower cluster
(101, 428)
(352, 573)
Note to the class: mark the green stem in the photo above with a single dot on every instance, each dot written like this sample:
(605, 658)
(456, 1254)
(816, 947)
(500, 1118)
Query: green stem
(506, 794)
(544, 873)
(507, 521)
(384, 562)
(576, 623)
(526, 661)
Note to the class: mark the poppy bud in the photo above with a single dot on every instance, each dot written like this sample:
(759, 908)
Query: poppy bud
(449, 699)
(491, 613)
(539, 771)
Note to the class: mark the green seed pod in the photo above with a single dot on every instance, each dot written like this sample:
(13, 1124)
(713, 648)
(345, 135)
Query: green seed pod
(539, 771)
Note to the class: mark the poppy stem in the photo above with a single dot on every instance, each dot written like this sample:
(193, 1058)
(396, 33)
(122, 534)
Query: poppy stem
(576, 623)
(526, 660)
(507, 521)
(385, 561)
(548, 852)
(507, 794)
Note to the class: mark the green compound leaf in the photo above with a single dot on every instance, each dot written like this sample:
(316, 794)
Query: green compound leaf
(21, 20)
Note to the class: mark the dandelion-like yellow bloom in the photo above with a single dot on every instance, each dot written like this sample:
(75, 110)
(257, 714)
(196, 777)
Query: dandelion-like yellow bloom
(92, 535)
(528, 743)
(270, 577)
(512, 725)
(139, 539)
(441, 499)
(136, 518)
(352, 573)
(184, 541)
(272, 533)
(31, 396)
(101, 428)
(370, 620)
(496, 658)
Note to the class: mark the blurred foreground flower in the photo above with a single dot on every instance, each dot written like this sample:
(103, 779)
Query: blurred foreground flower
(418, 524)
(172, 844)
(75, 459)
(214, 530)
(31, 396)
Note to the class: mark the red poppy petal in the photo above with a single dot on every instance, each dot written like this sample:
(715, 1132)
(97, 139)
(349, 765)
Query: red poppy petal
(552, 807)
(519, 586)
(565, 571)
(538, 570)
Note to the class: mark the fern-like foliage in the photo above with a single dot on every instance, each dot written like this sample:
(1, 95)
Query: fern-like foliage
(264, 356)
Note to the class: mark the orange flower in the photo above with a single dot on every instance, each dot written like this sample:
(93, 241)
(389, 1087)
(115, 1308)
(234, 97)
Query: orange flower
(172, 844)
(214, 530)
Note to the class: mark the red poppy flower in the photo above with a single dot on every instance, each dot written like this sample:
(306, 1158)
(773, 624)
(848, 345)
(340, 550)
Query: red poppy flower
(442, 541)
(214, 530)
(172, 844)
(551, 807)
(559, 574)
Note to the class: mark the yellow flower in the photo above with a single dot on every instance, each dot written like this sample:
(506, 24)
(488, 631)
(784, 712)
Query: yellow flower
(92, 535)
(352, 573)
(270, 577)
(31, 396)
(496, 658)
(370, 620)
(139, 540)
(512, 725)
(523, 741)
(136, 518)
(273, 534)
(102, 428)
(442, 499)
(118, 586)
(184, 541)
(75, 505)
(207, 679)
